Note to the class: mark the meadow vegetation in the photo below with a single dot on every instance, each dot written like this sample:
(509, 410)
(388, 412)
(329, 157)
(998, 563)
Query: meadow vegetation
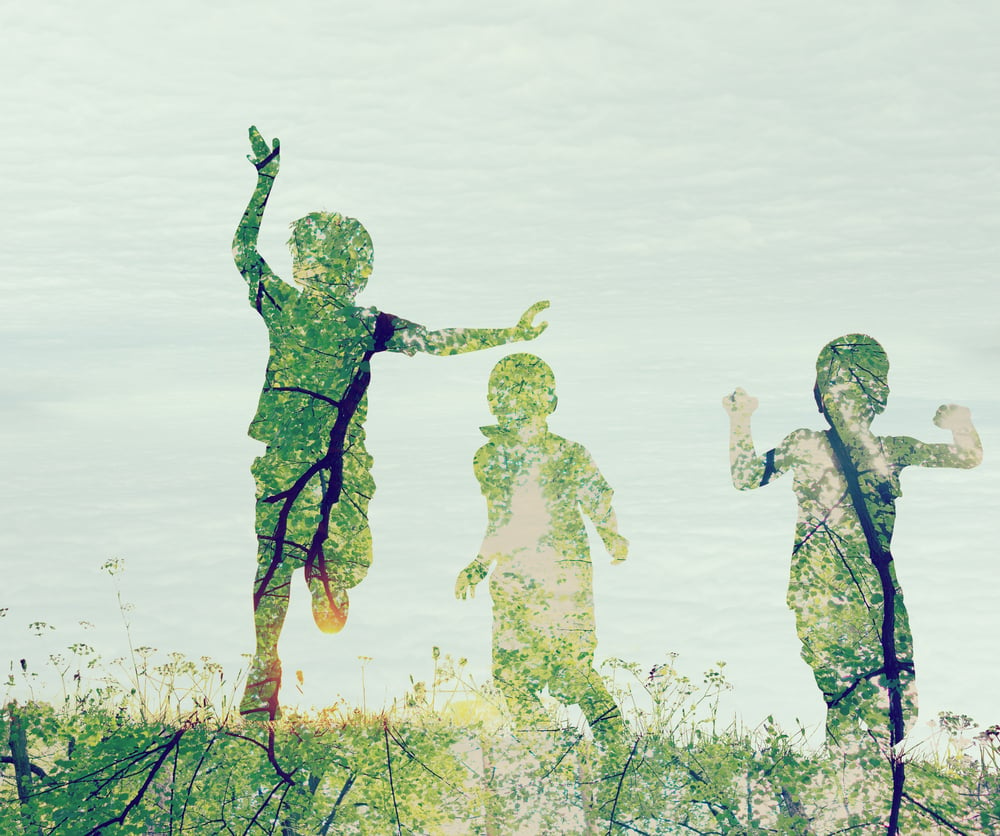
(159, 748)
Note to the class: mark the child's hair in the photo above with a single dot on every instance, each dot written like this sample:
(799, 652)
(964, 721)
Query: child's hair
(330, 237)
(854, 360)
(521, 386)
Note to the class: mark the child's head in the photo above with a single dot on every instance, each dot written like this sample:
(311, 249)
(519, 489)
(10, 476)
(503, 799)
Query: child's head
(852, 378)
(522, 387)
(331, 253)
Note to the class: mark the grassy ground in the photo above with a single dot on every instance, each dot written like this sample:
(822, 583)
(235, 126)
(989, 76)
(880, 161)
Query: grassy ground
(163, 752)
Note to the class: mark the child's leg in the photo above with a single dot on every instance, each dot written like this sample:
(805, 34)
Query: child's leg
(341, 560)
(843, 647)
(270, 607)
(341, 563)
(520, 688)
(281, 531)
(875, 705)
(271, 591)
(580, 684)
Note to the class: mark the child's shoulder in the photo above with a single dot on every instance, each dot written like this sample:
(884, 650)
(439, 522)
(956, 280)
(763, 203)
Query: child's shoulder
(564, 443)
(801, 446)
(362, 314)
(489, 449)
(567, 450)
(899, 448)
(804, 436)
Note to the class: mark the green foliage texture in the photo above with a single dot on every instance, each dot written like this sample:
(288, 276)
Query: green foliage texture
(445, 761)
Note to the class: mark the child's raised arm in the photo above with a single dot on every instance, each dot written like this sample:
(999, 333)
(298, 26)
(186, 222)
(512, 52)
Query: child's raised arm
(747, 468)
(965, 451)
(261, 280)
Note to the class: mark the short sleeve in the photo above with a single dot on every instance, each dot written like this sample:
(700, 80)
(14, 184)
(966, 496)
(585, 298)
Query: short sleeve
(406, 338)
(904, 451)
(788, 454)
(593, 491)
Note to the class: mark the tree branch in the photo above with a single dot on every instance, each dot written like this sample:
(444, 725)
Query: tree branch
(392, 788)
(120, 818)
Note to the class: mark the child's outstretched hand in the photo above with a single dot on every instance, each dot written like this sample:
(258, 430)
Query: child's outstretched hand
(617, 547)
(952, 417)
(465, 583)
(265, 159)
(465, 586)
(525, 329)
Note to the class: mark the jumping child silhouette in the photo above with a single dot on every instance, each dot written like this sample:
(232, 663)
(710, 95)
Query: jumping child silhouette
(314, 480)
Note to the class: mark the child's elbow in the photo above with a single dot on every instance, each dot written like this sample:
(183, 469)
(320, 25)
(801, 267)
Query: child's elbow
(746, 480)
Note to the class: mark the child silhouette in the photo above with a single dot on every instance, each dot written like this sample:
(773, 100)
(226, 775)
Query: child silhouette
(314, 480)
(535, 484)
(843, 589)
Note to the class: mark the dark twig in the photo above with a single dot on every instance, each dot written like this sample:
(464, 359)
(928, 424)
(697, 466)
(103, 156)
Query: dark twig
(35, 770)
(267, 800)
(284, 776)
(937, 817)
(348, 783)
(120, 818)
(392, 788)
(621, 781)
(190, 786)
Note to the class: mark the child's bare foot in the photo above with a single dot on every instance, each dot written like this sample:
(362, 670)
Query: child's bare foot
(329, 605)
